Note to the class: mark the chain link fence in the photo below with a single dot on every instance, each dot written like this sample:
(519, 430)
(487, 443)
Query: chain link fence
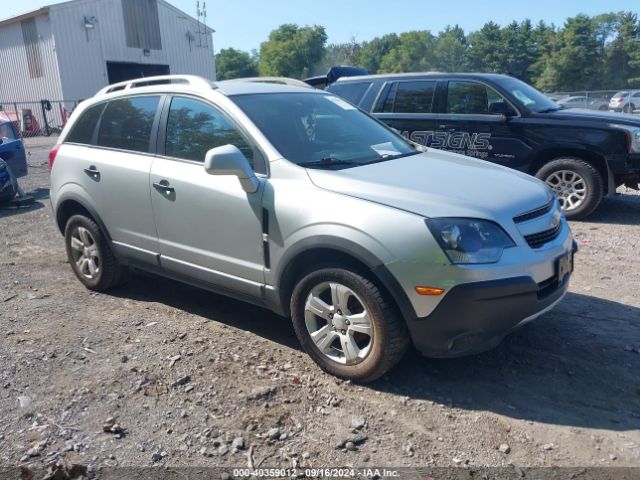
(622, 101)
(40, 118)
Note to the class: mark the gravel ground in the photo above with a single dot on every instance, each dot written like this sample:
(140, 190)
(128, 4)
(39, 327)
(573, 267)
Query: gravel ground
(159, 373)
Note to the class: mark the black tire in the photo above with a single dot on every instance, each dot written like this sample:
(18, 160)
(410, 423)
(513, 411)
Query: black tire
(629, 108)
(390, 336)
(603, 108)
(110, 272)
(593, 182)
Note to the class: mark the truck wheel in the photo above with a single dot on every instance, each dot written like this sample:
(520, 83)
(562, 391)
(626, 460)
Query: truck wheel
(90, 254)
(577, 184)
(347, 325)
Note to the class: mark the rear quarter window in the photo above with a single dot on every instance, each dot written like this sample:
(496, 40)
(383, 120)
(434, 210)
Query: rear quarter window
(83, 129)
(351, 92)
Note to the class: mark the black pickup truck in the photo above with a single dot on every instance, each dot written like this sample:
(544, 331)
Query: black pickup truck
(581, 154)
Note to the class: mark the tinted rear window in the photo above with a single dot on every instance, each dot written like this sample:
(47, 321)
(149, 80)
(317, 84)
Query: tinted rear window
(82, 130)
(126, 123)
(351, 92)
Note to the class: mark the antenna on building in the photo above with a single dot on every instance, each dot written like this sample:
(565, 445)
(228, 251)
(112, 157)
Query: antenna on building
(198, 13)
(204, 15)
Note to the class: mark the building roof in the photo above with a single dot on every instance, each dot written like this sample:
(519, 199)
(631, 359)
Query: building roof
(45, 10)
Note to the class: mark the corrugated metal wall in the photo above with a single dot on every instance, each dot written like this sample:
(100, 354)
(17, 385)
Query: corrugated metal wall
(83, 54)
(19, 83)
(73, 58)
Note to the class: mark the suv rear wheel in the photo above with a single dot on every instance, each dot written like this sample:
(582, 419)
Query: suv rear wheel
(347, 324)
(577, 184)
(90, 254)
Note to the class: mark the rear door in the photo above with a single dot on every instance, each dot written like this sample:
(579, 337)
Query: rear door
(209, 228)
(470, 127)
(109, 152)
(12, 150)
(408, 106)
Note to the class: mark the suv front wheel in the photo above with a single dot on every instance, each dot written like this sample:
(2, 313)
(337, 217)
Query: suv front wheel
(90, 254)
(577, 184)
(347, 325)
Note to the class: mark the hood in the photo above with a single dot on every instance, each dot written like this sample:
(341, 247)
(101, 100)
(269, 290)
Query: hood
(439, 184)
(580, 114)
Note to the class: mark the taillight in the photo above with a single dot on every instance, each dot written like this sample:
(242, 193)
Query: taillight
(52, 155)
(620, 100)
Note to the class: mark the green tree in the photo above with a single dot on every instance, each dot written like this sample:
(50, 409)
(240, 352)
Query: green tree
(485, 49)
(373, 51)
(450, 50)
(520, 49)
(622, 53)
(232, 63)
(575, 63)
(412, 53)
(339, 54)
(292, 51)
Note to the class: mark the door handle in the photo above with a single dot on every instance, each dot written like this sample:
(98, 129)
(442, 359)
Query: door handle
(163, 187)
(93, 172)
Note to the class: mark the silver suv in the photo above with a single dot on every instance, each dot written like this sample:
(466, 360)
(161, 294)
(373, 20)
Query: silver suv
(293, 199)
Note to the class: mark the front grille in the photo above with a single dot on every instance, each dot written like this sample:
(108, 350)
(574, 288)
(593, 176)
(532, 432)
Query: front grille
(536, 240)
(538, 212)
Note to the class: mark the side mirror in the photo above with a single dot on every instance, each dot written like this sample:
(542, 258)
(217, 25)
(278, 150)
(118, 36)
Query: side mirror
(229, 160)
(501, 108)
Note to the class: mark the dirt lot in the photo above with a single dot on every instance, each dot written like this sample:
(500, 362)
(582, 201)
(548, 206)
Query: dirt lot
(192, 378)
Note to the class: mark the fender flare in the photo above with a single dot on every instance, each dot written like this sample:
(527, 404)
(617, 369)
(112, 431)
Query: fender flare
(378, 268)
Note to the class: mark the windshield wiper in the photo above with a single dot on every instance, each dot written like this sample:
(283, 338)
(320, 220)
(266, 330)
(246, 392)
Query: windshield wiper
(327, 162)
(384, 158)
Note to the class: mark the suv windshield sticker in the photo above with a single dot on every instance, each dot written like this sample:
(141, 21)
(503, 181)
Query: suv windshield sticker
(472, 144)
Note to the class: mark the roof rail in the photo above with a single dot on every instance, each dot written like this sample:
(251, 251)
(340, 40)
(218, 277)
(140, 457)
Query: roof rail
(278, 80)
(158, 80)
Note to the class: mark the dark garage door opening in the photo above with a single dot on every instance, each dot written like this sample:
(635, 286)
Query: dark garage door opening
(121, 71)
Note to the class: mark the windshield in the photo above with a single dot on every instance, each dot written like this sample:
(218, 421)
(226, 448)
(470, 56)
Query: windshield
(321, 131)
(527, 95)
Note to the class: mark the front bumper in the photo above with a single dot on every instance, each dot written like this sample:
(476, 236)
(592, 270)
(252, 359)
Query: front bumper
(474, 317)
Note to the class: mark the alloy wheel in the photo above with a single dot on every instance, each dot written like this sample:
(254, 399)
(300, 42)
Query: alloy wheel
(569, 187)
(85, 252)
(338, 322)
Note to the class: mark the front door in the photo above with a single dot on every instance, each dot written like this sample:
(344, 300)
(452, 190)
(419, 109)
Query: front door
(209, 228)
(470, 125)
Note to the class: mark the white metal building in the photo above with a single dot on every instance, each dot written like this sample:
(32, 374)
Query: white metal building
(70, 50)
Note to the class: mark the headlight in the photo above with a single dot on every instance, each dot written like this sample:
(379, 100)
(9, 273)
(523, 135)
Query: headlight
(633, 136)
(467, 240)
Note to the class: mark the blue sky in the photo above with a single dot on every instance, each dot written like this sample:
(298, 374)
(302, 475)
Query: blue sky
(244, 24)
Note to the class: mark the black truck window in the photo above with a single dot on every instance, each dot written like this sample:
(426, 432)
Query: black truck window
(410, 97)
(471, 98)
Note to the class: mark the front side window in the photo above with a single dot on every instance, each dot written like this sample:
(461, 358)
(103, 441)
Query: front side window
(410, 97)
(83, 128)
(467, 98)
(127, 122)
(195, 127)
(321, 131)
